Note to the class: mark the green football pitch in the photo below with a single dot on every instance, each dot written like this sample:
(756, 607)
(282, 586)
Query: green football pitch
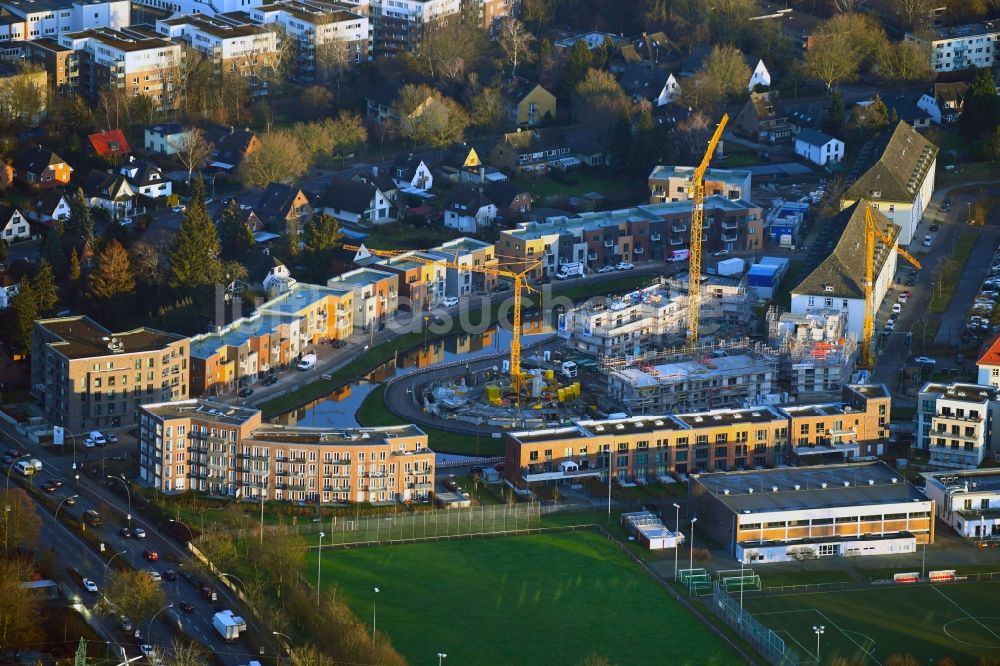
(957, 620)
(544, 599)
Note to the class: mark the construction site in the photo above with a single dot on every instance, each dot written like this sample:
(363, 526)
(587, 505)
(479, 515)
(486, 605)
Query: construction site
(726, 373)
(817, 353)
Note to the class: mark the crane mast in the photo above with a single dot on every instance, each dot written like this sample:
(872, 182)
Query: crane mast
(697, 226)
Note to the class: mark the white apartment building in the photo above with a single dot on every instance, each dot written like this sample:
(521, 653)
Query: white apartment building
(961, 46)
(470, 254)
(36, 19)
(398, 24)
(376, 294)
(968, 500)
(989, 366)
(319, 28)
(955, 424)
(136, 60)
(206, 7)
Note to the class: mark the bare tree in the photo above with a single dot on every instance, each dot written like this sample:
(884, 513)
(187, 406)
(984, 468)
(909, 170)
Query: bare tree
(184, 653)
(914, 13)
(113, 104)
(192, 149)
(448, 46)
(333, 59)
(515, 40)
(21, 524)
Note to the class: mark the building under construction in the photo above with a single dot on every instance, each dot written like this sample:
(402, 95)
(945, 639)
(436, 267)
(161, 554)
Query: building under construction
(816, 352)
(733, 373)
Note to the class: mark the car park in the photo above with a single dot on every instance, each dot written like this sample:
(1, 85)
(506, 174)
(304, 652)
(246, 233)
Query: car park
(624, 266)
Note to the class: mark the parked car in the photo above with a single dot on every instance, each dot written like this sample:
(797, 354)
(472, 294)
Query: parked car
(246, 392)
(112, 439)
(88, 443)
(125, 221)
(928, 239)
(897, 308)
(125, 623)
(449, 301)
(624, 266)
(721, 253)
(606, 269)
(245, 207)
(903, 298)
(924, 360)
(147, 650)
(269, 380)
(150, 555)
(179, 209)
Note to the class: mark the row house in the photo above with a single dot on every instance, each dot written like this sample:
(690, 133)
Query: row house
(376, 294)
(471, 257)
(643, 233)
(328, 35)
(135, 60)
(223, 450)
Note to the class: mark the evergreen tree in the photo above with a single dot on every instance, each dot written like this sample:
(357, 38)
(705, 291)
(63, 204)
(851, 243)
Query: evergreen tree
(81, 222)
(235, 237)
(113, 274)
(194, 254)
(74, 267)
(52, 250)
(578, 62)
(621, 139)
(834, 116)
(982, 106)
(25, 309)
(322, 234)
(44, 287)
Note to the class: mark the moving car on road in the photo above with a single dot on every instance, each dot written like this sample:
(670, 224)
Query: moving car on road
(89, 585)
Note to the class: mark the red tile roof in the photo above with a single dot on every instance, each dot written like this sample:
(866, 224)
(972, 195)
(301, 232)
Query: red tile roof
(992, 355)
(110, 143)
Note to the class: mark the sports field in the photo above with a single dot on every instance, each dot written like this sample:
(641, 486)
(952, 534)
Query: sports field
(543, 599)
(929, 622)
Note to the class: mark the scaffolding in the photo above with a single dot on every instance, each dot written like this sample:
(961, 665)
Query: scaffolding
(727, 373)
(817, 353)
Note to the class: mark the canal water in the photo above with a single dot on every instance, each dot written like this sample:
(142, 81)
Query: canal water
(338, 408)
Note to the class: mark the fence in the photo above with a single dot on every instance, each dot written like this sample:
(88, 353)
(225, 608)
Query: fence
(811, 587)
(765, 641)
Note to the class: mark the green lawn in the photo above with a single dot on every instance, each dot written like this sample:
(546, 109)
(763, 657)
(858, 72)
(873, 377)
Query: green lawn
(948, 281)
(576, 183)
(545, 599)
(866, 626)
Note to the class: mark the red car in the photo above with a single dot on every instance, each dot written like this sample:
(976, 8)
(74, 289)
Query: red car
(151, 555)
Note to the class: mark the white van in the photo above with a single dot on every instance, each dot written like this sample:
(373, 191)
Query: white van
(308, 362)
(98, 438)
(25, 467)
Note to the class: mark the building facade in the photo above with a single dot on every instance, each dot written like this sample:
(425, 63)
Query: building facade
(397, 25)
(673, 183)
(960, 46)
(968, 500)
(956, 424)
(88, 377)
(376, 295)
(227, 451)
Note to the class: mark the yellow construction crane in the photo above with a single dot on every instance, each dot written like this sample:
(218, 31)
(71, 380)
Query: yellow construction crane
(697, 225)
(872, 232)
(520, 285)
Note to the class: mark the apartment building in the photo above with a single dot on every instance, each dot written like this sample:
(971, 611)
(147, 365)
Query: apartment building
(649, 447)
(275, 336)
(989, 366)
(491, 13)
(88, 377)
(135, 60)
(328, 35)
(421, 282)
(960, 46)
(376, 294)
(968, 500)
(956, 424)
(221, 450)
(643, 233)
(207, 7)
(397, 25)
(673, 183)
(29, 20)
(233, 46)
(780, 515)
(817, 354)
(470, 254)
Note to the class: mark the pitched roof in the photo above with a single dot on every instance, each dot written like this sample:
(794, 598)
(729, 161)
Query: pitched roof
(36, 160)
(468, 201)
(349, 195)
(895, 165)
(503, 192)
(46, 201)
(950, 92)
(814, 137)
(231, 144)
(536, 139)
(841, 273)
(381, 180)
(6, 212)
(905, 107)
(278, 199)
(104, 185)
(519, 89)
(643, 80)
(694, 60)
(766, 105)
(110, 143)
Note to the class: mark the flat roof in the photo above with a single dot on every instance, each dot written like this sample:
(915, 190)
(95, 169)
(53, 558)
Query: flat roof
(217, 27)
(302, 296)
(848, 484)
(731, 176)
(763, 414)
(276, 434)
(82, 337)
(238, 333)
(360, 277)
(549, 434)
(871, 390)
(959, 391)
(680, 371)
(967, 30)
(464, 243)
(968, 480)
(204, 410)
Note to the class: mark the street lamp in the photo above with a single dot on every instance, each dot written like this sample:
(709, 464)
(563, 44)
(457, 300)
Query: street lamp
(128, 493)
(694, 519)
(149, 627)
(374, 597)
(288, 643)
(10, 468)
(677, 534)
(319, 566)
(441, 657)
(184, 525)
(60, 506)
(108, 563)
(818, 630)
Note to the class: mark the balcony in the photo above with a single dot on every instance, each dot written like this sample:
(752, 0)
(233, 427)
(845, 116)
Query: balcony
(730, 238)
(674, 240)
(609, 244)
(678, 227)
(730, 225)
(654, 237)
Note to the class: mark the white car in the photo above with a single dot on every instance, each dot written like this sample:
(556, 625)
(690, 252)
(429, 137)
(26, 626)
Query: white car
(155, 575)
(721, 253)
(88, 443)
(891, 324)
(139, 533)
(897, 308)
(924, 360)
(928, 239)
(903, 298)
(147, 650)
(112, 439)
(125, 221)
(179, 209)
(449, 302)
(245, 207)
(606, 269)
(624, 266)
(89, 585)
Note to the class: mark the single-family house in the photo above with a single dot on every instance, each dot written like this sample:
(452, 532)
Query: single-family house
(110, 144)
(531, 151)
(49, 206)
(695, 60)
(355, 202)
(409, 172)
(818, 147)
(380, 102)
(146, 179)
(41, 168)
(110, 191)
(511, 200)
(907, 109)
(944, 102)
(380, 179)
(230, 146)
(646, 82)
(165, 138)
(763, 119)
(278, 279)
(529, 104)
(759, 76)
(468, 211)
(283, 208)
(13, 224)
